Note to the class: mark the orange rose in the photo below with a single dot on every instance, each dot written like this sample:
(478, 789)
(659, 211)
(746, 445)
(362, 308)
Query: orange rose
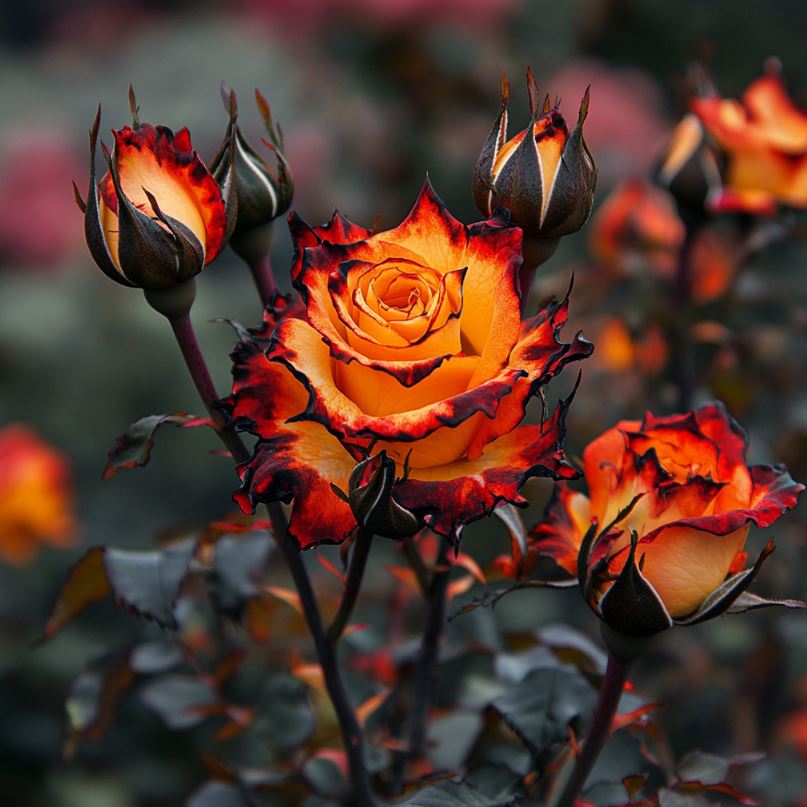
(157, 216)
(36, 503)
(764, 139)
(412, 344)
(660, 538)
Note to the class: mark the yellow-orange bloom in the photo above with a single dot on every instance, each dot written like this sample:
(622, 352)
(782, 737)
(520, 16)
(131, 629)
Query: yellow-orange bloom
(661, 535)
(411, 342)
(36, 501)
(764, 140)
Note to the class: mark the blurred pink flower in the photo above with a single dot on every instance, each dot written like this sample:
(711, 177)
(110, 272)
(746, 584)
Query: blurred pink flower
(626, 126)
(306, 14)
(40, 224)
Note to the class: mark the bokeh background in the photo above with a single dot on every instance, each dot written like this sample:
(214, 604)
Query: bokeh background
(370, 94)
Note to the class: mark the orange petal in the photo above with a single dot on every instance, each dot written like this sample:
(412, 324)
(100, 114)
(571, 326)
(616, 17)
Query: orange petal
(154, 159)
(769, 104)
(560, 532)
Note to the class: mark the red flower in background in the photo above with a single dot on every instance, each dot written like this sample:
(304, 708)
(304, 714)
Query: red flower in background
(661, 535)
(413, 344)
(36, 500)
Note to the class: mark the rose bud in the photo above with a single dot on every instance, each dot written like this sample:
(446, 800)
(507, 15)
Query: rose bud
(689, 168)
(660, 539)
(370, 498)
(546, 181)
(157, 216)
(260, 192)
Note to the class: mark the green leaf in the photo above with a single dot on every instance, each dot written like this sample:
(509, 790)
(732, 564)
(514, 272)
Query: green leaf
(455, 794)
(218, 794)
(543, 705)
(145, 583)
(177, 700)
(238, 563)
(134, 446)
(283, 717)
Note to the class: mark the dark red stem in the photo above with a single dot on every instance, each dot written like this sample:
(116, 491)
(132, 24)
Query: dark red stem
(264, 279)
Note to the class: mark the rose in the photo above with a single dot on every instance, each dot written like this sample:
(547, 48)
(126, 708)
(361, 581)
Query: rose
(660, 538)
(547, 180)
(764, 141)
(36, 502)
(412, 343)
(157, 216)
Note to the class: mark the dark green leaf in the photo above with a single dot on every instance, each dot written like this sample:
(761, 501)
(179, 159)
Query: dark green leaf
(283, 716)
(455, 794)
(542, 706)
(134, 446)
(177, 699)
(238, 563)
(218, 794)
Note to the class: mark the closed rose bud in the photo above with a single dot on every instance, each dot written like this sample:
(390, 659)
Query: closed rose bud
(547, 179)
(157, 216)
(371, 499)
(259, 192)
(660, 538)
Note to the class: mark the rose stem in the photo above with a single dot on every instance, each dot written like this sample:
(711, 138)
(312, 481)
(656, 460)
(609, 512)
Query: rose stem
(355, 573)
(425, 675)
(683, 369)
(264, 278)
(616, 674)
(416, 564)
(351, 733)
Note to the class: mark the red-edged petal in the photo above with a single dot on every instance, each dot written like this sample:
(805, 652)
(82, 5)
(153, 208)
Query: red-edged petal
(560, 533)
(453, 495)
(154, 159)
(339, 230)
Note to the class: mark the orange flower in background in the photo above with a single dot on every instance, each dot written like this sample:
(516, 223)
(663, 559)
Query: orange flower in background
(764, 139)
(660, 538)
(413, 344)
(635, 226)
(157, 216)
(36, 501)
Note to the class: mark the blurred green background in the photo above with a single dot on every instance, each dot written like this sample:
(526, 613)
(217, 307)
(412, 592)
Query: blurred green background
(370, 95)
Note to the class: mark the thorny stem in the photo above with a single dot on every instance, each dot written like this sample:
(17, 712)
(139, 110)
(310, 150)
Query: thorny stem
(616, 674)
(425, 671)
(264, 278)
(355, 573)
(326, 655)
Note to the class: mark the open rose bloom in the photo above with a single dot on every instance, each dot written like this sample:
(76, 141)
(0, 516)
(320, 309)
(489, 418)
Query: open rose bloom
(764, 141)
(411, 343)
(661, 536)
(36, 499)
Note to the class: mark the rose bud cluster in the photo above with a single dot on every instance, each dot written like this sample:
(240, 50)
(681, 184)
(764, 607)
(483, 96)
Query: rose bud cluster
(36, 497)
(545, 175)
(258, 193)
(413, 349)
(660, 538)
(157, 216)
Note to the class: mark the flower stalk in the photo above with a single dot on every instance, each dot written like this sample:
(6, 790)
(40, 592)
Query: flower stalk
(362, 795)
(264, 278)
(616, 674)
(355, 574)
